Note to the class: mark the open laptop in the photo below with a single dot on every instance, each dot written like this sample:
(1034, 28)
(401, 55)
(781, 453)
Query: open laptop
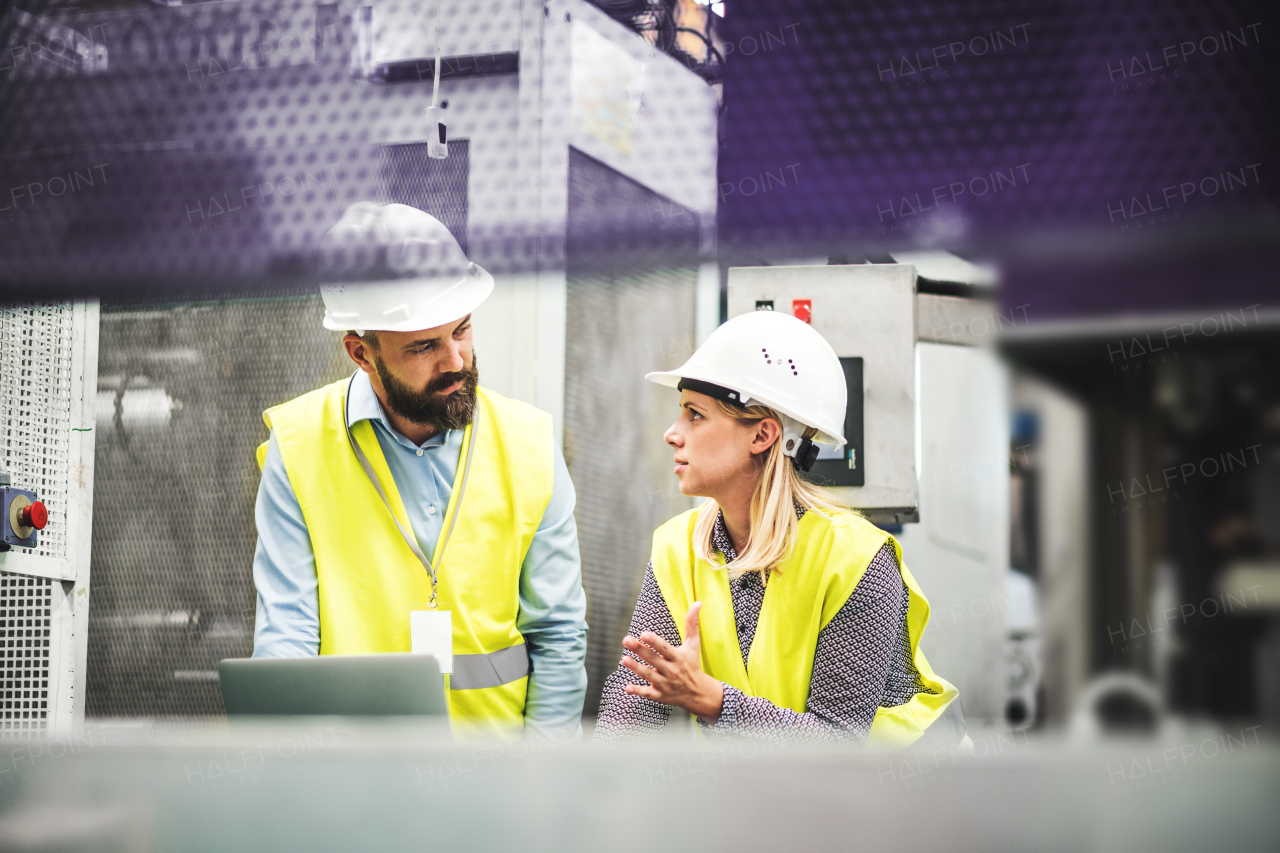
(399, 684)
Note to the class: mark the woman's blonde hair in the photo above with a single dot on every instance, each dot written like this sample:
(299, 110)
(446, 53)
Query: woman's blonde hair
(774, 526)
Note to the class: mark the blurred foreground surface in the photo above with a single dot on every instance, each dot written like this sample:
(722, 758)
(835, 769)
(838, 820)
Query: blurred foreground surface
(334, 784)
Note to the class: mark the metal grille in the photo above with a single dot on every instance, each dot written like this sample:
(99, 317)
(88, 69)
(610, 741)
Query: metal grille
(35, 410)
(181, 390)
(623, 320)
(24, 664)
(439, 187)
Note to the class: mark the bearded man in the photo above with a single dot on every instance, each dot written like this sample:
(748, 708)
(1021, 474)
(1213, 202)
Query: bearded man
(409, 487)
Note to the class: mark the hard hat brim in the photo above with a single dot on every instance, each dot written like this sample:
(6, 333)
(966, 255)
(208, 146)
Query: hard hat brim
(464, 296)
(671, 378)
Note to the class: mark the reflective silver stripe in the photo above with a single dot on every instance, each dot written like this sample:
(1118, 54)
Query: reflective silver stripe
(472, 672)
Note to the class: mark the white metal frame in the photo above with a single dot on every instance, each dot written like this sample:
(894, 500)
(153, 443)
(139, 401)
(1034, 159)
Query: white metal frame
(69, 617)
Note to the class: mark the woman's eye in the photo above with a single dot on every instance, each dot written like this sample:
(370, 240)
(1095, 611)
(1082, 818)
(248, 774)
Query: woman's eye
(694, 416)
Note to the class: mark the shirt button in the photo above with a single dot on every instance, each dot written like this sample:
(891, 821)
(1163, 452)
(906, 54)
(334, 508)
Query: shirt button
(419, 451)
(742, 626)
(431, 510)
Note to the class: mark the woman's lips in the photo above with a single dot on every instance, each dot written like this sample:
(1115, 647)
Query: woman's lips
(680, 466)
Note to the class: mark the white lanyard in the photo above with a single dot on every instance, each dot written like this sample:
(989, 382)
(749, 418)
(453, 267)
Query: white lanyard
(469, 438)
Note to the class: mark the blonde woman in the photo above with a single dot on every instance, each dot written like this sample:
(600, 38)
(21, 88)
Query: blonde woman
(771, 611)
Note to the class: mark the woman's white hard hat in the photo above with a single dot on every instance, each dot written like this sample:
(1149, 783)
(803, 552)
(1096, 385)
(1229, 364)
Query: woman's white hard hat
(423, 278)
(771, 359)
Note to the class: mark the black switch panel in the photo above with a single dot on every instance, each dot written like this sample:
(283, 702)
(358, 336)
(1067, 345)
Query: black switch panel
(840, 472)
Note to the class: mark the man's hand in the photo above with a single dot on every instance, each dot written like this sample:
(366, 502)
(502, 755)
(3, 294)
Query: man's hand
(675, 673)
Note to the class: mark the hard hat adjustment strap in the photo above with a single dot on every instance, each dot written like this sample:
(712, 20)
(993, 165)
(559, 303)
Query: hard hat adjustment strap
(803, 452)
(377, 485)
(718, 392)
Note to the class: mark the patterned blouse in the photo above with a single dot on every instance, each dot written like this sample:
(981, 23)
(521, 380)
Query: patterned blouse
(862, 662)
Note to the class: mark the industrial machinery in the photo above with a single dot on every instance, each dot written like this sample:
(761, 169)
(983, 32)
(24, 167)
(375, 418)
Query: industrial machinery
(927, 424)
(867, 314)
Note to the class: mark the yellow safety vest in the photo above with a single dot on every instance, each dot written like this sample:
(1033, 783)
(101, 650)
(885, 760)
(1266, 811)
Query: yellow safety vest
(368, 577)
(833, 550)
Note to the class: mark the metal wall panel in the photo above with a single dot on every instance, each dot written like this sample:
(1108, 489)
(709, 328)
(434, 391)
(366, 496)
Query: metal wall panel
(620, 325)
(181, 392)
(959, 550)
(439, 187)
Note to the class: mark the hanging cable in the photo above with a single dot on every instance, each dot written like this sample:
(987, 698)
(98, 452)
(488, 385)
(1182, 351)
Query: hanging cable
(437, 134)
(435, 86)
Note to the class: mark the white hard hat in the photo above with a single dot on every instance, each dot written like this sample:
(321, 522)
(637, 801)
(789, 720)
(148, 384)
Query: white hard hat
(423, 277)
(770, 359)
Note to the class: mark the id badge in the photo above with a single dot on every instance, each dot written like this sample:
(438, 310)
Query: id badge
(431, 633)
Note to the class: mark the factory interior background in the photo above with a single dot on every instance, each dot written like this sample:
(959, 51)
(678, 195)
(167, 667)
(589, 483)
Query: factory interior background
(1050, 232)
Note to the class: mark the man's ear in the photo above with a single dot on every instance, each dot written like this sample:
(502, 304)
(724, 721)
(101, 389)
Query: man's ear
(358, 351)
(767, 432)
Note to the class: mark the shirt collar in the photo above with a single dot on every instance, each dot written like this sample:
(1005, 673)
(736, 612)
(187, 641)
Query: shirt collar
(720, 535)
(721, 541)
(364, 405)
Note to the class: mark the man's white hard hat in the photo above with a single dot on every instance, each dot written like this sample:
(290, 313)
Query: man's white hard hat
(423, 278)
(768, 358)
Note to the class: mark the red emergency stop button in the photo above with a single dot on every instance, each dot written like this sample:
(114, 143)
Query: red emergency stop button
(802, 309)
(34, 515)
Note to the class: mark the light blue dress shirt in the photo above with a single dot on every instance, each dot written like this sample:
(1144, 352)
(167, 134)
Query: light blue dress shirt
(553, 605)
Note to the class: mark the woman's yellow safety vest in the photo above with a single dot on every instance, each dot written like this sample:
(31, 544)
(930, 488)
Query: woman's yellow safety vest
(832, 551)
(368, 577)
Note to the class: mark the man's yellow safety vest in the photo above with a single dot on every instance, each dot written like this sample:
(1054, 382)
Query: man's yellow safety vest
(832, 551)
(368, 577)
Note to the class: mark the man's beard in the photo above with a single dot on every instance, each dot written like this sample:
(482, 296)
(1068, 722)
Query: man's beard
(429, 407)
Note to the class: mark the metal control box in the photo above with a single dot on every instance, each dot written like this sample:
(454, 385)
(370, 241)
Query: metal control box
(14, 533)
(846, 466)
(867, 313)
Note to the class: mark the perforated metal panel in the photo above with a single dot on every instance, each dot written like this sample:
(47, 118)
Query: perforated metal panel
(35, 416)
(47, 369)
(630, 309)
(25, 605)
(181, 394)
(439, 187)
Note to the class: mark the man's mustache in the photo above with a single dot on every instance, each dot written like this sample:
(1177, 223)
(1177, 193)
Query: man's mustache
(445, 380)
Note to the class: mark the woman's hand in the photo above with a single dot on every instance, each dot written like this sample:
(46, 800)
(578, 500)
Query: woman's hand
(675, 673)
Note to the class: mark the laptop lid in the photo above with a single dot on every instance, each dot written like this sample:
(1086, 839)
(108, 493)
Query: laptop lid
(397, 684)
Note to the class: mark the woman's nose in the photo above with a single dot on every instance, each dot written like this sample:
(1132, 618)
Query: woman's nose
(672, 436)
